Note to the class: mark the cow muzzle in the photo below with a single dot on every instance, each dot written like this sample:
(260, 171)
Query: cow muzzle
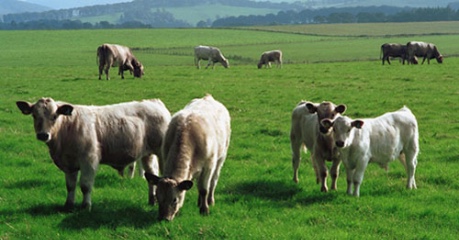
(43, 137)
(339, 144)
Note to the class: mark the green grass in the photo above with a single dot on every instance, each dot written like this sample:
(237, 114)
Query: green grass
(256, 197)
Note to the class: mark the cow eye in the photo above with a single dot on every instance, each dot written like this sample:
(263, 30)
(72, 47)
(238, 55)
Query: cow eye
(175, 201)
(54, 117)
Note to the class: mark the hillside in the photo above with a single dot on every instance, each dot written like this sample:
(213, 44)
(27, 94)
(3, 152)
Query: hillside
(15, 6)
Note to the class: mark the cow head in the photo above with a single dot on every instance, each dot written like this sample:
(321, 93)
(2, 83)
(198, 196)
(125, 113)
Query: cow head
(326, 110)
(439, 59)
(138, 68)
(46, 113)
(170, 194)
(224, 62)
(260, 64)
(342, 128)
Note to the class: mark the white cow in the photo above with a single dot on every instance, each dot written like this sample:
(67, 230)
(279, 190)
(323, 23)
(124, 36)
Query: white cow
(306, 131)
(195, 147)
(212, 54)
(422, 49)
(380, 140)
(80, 138)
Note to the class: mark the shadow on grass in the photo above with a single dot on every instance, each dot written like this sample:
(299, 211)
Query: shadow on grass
(111, 215)
(280, 192)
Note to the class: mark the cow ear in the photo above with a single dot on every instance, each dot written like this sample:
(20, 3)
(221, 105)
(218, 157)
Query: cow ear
(151, 178)
(185, 185)
(340, 108)
(25, 107)
(311, 107)
(65, 110)
(326, 123)
(357, 124)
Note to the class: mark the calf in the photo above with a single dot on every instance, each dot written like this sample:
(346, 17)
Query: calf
(306, 131)
(195, 147)
(79, 138)
(380, 140)
(111, 55)
(270, 56)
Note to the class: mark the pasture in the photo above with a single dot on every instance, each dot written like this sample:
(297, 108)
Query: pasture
(255, 197)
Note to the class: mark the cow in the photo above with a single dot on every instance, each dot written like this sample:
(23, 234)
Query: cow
(270, 56)
(112, 55)
(307, 132)
(422, 49)
(80, 137)
(379, 140)
(212, 54)
(195, 147)
(389, 50)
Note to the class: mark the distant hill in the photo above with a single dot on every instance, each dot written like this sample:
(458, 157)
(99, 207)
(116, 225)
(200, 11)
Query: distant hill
(15, 6)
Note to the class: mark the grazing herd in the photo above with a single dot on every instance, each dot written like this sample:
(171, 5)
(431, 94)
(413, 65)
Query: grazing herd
(410, 52)
(192, 144)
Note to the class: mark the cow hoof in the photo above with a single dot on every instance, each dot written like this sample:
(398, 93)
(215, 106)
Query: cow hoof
(86, 206)
(204, 211)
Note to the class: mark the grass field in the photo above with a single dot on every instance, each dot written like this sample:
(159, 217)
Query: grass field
(256, 197)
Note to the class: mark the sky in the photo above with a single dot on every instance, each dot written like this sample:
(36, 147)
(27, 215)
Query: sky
(63, 4)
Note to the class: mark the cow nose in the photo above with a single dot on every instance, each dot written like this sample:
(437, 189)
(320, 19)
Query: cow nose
(339, 144)
(43, 136)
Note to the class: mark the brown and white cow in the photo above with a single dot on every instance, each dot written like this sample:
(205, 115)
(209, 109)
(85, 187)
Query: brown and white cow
(195, 147)
(306, 131)
(422, 49)
(270, 56)
(112, 55)
(79, 138)
(389, 50)
(212, 54)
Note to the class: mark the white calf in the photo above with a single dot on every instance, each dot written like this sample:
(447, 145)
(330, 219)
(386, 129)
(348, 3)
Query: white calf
(380, 140)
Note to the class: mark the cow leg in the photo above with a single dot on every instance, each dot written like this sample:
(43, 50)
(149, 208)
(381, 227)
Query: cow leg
(411, 156)
(295, 144)
(106, 72)
(101, 69)
(357, 177)
(88, 174)
(120, 71)
(70, 182)
(203, 187)
(214, 180)
(209, 63)
(334, 171)
(131, 170)
(197, 63)
(322, 172)
(150, 165)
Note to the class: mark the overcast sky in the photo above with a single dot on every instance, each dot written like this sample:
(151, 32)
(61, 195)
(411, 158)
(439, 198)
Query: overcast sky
(60, 4)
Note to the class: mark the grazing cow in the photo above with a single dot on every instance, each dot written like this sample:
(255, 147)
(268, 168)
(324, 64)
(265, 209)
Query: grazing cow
(80, 138)
(306, 131)
(389, 50)
(195, 147)
(112, 55)
(212, 54)
(425, 50)
(380, 140)
(270, 56)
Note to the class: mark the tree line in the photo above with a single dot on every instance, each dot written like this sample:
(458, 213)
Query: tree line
(343, 15)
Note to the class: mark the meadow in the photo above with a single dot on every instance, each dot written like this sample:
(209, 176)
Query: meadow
(256, 197)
